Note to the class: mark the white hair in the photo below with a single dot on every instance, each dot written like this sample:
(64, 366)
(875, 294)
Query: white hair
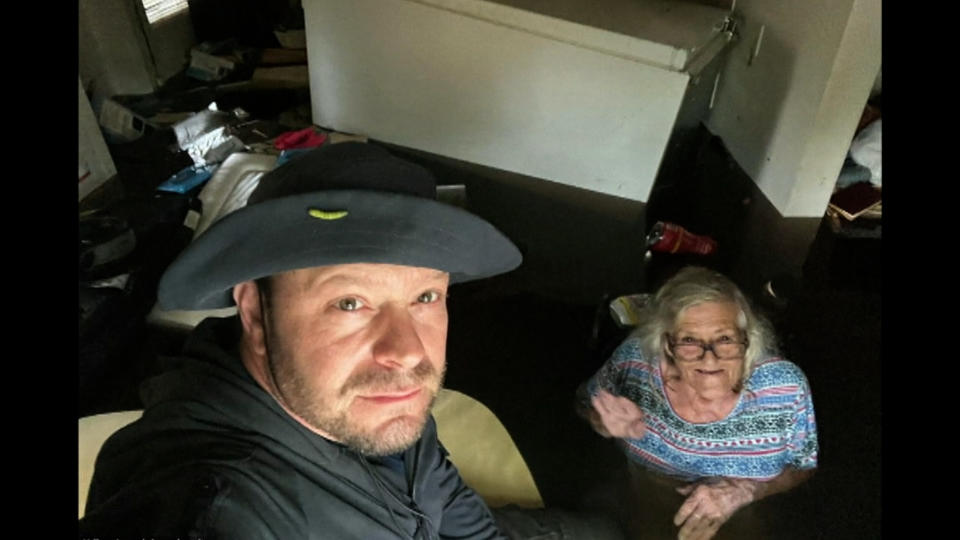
(694, 285)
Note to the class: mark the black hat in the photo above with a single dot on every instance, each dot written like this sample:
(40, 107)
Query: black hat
(338, 204)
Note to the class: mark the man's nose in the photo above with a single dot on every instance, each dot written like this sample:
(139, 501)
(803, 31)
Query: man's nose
(398, 345)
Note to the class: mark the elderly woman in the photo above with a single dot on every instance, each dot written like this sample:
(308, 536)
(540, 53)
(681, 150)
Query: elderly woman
(697, 398)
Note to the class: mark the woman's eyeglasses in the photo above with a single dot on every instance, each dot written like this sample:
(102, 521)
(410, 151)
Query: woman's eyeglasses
(723, 348)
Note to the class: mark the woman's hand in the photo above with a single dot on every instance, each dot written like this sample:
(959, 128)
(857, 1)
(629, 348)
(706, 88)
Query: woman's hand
(710, 504)
(617, 416)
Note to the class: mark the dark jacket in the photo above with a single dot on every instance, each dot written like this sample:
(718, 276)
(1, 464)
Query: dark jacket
(214, 456)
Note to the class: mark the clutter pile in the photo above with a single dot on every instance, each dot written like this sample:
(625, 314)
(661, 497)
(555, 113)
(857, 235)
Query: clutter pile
(855, 209)
(233, 112)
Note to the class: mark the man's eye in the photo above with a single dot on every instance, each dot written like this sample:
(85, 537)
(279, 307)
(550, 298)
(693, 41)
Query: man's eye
(428, 297)
(349, 304)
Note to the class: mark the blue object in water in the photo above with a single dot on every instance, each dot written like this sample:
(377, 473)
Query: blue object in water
(188, 178)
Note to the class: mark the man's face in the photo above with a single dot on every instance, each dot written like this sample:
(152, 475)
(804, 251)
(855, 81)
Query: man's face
(358, 351)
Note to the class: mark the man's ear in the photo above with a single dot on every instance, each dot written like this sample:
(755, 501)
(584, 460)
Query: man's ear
(247, 297)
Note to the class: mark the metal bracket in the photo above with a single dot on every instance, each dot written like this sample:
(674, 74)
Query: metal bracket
(730, 26)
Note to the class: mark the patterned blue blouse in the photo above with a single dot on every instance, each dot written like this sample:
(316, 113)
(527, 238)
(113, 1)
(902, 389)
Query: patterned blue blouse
(771, 427)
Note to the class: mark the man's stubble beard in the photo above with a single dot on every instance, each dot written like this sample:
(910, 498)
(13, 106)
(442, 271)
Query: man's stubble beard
(331, 415)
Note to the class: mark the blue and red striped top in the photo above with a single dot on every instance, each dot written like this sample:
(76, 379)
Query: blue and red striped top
(772, 426)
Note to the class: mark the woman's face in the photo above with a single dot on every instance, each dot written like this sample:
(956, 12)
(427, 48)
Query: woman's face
(709, 322)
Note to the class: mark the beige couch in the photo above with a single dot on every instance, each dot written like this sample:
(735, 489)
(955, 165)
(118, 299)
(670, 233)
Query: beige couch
(479, 446)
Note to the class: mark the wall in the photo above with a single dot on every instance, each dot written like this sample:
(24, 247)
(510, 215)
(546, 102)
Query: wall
(854, 71)
(877, 85)
(121, 53)
(170, 42)
(113, 54)
(788, 115)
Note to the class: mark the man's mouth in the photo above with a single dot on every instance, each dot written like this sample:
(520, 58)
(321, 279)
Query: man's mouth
(392, 396)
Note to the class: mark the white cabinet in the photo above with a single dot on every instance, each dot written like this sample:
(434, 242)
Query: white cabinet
(582, 92)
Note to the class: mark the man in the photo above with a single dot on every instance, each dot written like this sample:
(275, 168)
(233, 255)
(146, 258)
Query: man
(307, 414)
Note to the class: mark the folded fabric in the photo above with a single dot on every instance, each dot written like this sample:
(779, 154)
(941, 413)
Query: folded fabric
(304, 138)
(851, 173)
(866, 149)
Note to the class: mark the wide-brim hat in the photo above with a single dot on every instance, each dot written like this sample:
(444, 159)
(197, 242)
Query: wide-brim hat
(338, 204)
